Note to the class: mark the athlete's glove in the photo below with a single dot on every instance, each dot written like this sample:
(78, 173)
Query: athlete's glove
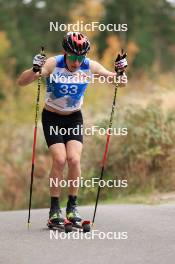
(121, 63)
(38, 62)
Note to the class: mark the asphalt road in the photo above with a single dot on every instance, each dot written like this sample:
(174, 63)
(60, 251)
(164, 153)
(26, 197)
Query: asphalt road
(140, 234)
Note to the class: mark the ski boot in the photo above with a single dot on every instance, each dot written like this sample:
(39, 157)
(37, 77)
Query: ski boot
(74, 217)
(57, 221)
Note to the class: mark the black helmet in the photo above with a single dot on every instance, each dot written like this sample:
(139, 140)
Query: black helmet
(76, 43)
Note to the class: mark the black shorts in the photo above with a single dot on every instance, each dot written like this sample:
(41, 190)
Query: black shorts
(62, 128)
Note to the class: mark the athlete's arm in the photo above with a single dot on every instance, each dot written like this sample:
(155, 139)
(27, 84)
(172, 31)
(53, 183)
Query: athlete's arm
(98, 69)
(29, 76)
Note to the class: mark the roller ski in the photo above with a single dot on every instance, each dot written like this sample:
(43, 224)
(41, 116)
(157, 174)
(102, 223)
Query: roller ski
(77, 223)
(58, 222)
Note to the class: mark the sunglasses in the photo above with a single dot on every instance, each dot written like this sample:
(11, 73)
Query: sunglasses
(76, 57)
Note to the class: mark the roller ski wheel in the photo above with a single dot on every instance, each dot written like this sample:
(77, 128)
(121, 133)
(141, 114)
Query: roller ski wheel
(83, 225)
(67, 226)
(86, 226)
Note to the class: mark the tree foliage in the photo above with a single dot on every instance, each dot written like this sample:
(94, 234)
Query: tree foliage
(150, 26)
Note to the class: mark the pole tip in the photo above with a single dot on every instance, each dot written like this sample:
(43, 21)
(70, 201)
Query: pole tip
(28, 225)
(92, 224)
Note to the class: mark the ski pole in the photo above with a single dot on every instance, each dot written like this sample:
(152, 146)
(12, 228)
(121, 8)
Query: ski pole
(107, 143)
(34, 139)
(105, 152)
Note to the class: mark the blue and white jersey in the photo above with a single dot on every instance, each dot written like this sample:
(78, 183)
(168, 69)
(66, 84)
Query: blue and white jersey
(65, 89)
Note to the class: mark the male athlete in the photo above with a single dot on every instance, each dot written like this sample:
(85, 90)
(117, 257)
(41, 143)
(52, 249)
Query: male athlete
(63, 102)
